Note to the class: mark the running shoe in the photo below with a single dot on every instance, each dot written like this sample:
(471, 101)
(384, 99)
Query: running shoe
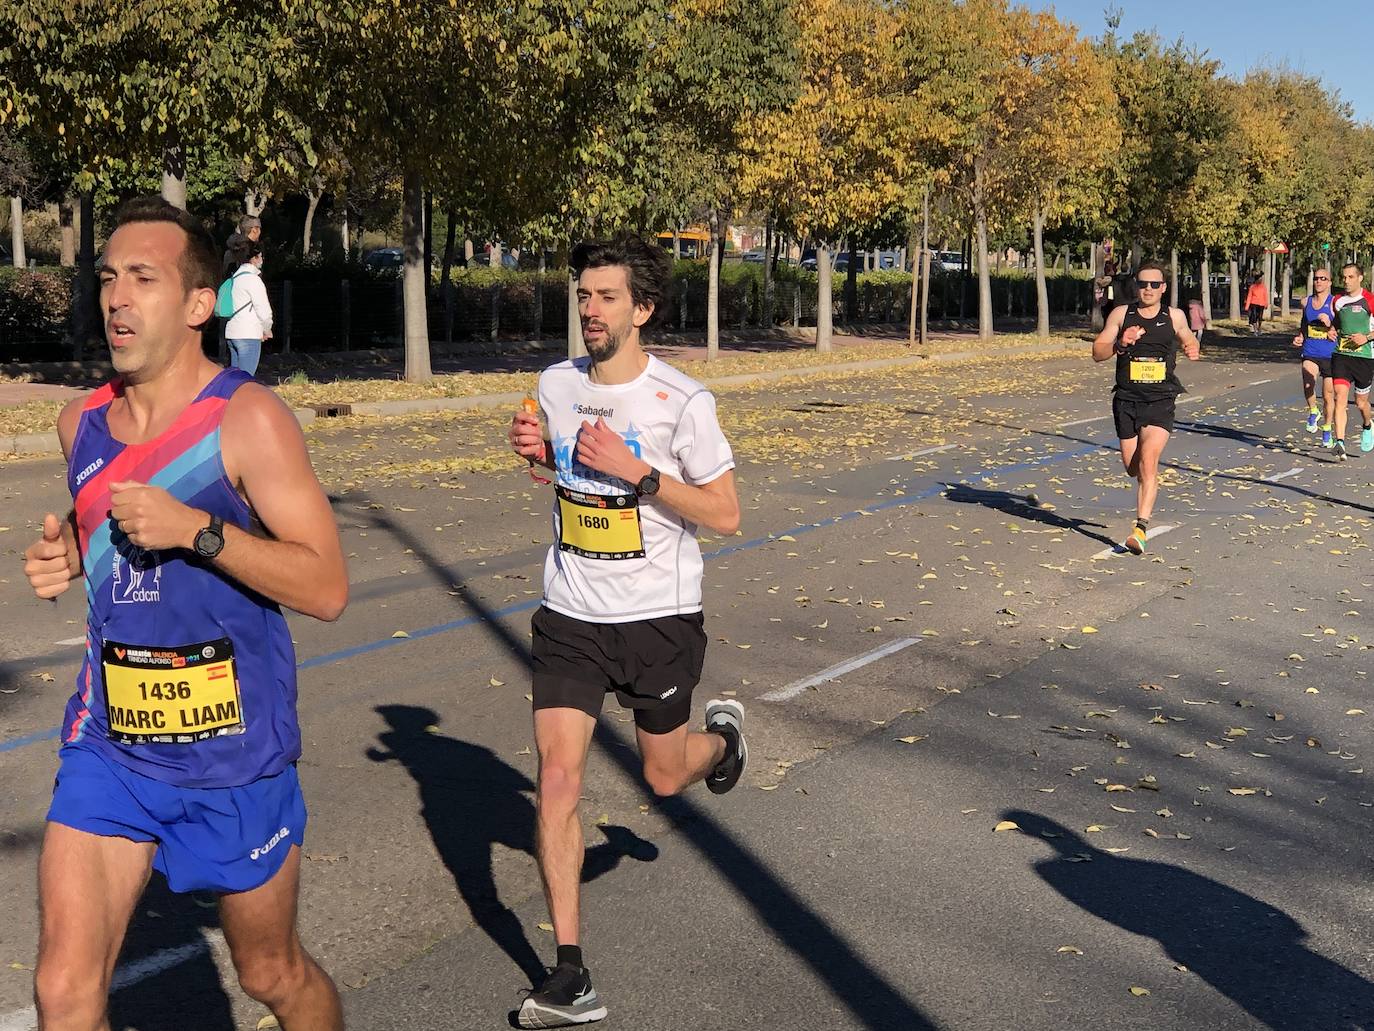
(1338, 449)
(1327, 438)
(1314, 417)
(1367, 438)
(726, 718)
(1135, 541)
(564, 999)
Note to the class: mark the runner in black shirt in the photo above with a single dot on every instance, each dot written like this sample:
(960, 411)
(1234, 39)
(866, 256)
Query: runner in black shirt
(1145, 338)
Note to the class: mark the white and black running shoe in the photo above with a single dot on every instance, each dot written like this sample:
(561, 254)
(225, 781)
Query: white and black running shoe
(566, 998)
(726, 718)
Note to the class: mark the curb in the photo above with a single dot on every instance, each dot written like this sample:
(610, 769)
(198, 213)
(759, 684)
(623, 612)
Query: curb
(35, 444)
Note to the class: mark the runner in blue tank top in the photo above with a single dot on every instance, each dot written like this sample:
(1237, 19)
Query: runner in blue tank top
(195, 515)
(1317, 348)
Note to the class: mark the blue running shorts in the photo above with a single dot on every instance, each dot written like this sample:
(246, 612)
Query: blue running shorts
(208, 839)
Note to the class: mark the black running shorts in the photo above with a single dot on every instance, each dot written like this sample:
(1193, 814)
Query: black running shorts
(652, 665)
(1358, 372)
(1323, 365)
(1131, 415)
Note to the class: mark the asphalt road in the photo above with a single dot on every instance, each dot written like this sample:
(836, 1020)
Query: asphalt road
(1180, 739)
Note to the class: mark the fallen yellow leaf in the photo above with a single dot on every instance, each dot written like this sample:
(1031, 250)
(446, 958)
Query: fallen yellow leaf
(1137, 991)
(1007, 825)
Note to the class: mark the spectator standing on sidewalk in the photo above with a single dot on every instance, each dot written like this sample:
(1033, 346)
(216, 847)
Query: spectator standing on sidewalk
(1256, 300)
(249, 231)
(251, 322)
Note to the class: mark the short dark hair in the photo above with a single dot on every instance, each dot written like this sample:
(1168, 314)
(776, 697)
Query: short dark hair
(244, 249)
(647, 268)
(1354, 265)
(200, 262)
(1149, 263)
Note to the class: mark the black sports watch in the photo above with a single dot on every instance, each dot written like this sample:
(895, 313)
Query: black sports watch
(209, 541)
(647, 487)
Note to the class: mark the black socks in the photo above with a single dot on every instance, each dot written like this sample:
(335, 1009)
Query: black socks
(570, 955)
(1144, 524)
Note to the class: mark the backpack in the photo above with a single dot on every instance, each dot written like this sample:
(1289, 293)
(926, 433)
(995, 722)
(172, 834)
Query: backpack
(224, 299)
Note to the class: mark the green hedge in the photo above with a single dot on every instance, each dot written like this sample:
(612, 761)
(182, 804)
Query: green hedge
(34, 305)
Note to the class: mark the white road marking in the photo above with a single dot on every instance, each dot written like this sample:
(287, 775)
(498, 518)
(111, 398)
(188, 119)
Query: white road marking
(128, 975)
(1083, 422)
(70, 641)
(1261, 382)
(795, 688)
(922, 452)
(1192, 400)
(1155, 531)
(1284, 475)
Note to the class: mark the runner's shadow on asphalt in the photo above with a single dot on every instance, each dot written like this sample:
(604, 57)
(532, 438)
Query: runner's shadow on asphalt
(470, 801)
(1206, 429)
(186, 994)
(1246, 949)
(1022, 508)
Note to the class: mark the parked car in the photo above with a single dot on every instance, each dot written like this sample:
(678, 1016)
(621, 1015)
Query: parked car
(950, 261)
(840, 261)
(756, 256)
(384, 259)
(508, 260)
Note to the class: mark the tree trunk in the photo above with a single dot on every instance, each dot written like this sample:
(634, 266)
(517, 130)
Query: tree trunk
(343, 225)
(467, 252)
(429, 238)
(677, 240)
(915, 288)
(1174, 299)
(253, 202)
(1287, 293)
(1311, 269)
(17, 256)
(925, 265)
(1235, 286)
(417, 368)
(1205, 274)
(1095, 271)
(85, 321)
(984, 279)
(713, 291)
(174, 174)
(576, 347)
(313, 202)
(825, 311)
(537, 315)
(494, 255)
(766, 301)
(851, 285)
(66, 220)
(450, 240)
(1042, 294)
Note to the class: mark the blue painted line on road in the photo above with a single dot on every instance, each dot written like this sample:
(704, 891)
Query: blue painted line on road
(925, 494)
(27, 739)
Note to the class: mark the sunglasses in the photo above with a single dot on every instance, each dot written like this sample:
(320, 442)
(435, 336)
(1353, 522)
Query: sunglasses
(1322, 279)
(1150, 284)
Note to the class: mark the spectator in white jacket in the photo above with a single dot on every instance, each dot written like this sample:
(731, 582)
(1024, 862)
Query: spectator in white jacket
(251, 322)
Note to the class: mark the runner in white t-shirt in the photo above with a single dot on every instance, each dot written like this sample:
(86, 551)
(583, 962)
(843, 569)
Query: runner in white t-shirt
(640, 462)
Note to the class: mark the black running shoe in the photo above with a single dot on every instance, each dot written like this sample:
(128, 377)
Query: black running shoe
(726, 718)
(564, 999)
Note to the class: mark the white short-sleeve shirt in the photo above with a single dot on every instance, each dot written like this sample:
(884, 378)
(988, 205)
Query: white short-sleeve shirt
(668, 420)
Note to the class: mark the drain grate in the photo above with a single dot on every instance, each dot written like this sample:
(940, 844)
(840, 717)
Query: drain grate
(331, 411)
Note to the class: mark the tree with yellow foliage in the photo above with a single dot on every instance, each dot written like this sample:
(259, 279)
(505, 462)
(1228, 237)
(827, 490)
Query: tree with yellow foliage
(832, 160)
